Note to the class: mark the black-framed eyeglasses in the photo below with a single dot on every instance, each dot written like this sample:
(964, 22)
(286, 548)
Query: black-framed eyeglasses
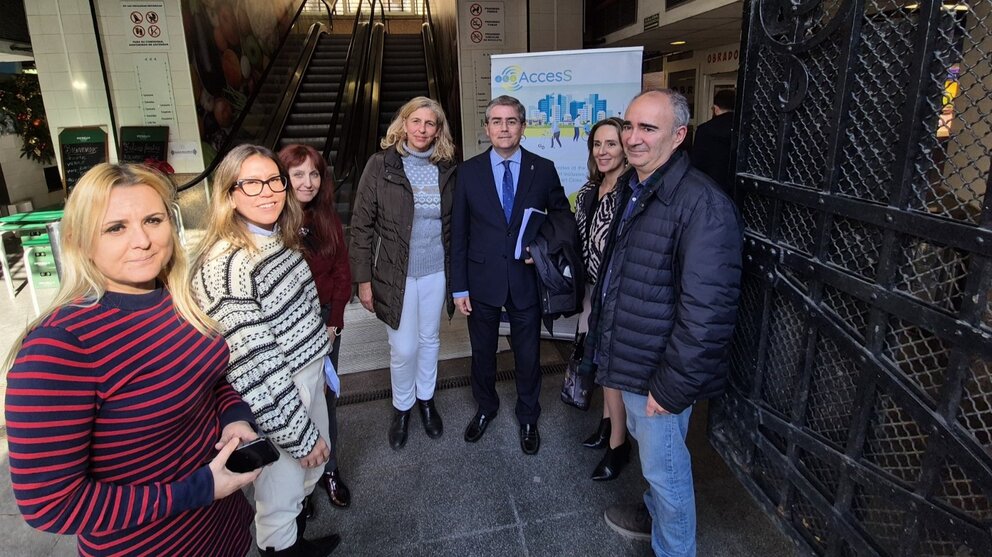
(253, 186)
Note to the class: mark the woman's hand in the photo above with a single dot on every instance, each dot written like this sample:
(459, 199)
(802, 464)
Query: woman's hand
(240, 429)
(365, 295)
(318, 455)
(225, 481)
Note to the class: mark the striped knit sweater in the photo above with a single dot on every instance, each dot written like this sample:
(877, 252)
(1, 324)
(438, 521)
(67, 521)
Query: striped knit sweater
(267, 306)
(113, 411)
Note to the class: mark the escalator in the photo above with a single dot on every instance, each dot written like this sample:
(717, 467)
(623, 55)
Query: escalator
(404, 76)
(312, 112)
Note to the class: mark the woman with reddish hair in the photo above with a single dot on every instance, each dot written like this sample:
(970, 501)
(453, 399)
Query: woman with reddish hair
(324, 250)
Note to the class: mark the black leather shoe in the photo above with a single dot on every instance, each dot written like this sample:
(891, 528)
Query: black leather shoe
(337, 491)
(430, 418)
(600, 439)
(477, 427)
(530, 439)
(309, 506)
(612, 463)
(320, 547)
(398, 429)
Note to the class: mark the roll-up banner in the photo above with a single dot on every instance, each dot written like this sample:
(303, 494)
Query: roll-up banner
(564, 94)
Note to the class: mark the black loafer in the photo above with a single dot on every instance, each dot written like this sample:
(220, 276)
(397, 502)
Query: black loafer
(337, 490)
(477, 427)
(530, 439)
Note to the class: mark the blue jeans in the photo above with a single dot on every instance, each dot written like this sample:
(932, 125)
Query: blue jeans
(667, 467)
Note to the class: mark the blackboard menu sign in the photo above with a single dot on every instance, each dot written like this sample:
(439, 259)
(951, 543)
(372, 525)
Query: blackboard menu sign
(139, 143)
(82, 149)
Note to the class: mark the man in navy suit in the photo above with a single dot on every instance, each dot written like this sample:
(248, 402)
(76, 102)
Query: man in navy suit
(491, 193)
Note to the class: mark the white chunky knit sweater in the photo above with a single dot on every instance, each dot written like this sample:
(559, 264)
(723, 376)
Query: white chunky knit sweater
(266, 304)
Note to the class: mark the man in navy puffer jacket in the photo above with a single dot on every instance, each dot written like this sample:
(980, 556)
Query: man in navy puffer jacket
(664, 311)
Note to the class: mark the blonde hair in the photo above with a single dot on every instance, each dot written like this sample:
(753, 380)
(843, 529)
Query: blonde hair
(82, 283)
(226, 224)
(444, 146)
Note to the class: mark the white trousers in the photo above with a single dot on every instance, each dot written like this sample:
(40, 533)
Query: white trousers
(282, 485)
(414, 346)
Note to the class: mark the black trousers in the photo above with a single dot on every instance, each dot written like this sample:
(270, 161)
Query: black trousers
(332, 415)
(525, 337)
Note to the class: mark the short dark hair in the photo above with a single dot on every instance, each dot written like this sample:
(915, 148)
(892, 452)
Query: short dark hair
(725, 99)
(507, 100)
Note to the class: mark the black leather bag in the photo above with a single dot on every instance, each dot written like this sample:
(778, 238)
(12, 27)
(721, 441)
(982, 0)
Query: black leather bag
(576, 390)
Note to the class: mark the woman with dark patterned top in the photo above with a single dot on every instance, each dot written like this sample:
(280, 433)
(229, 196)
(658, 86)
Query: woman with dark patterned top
(117, 402)
(595, 207)
(324, 249)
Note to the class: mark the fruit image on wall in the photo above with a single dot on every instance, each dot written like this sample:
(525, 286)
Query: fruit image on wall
(231, 43)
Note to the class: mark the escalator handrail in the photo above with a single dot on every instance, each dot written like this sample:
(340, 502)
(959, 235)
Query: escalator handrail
(281, 115)
(430, 52)
(369, 144)
(354, 152)
(229, 141)
(354, 104)
(353, 47)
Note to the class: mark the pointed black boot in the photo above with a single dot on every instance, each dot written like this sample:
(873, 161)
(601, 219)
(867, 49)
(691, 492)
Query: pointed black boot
(601, 438)
(612, 463)
(398, 429)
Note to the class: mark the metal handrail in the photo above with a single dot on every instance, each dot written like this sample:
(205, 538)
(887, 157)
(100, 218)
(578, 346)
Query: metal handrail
(430, 53)
(349, 151)
(375, 88)
(229, 142)
(281, 115)
(355, 55)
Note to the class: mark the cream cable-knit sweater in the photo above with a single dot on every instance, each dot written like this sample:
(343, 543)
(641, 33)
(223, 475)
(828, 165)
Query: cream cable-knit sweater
(266, 304)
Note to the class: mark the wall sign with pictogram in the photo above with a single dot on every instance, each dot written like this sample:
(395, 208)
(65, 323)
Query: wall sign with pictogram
(146, 24)
(486, 26)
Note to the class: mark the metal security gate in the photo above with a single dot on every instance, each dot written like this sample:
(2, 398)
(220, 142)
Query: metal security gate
(860, 406)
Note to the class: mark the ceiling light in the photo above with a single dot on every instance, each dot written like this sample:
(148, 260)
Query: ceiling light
(77, 84)
(677, 43)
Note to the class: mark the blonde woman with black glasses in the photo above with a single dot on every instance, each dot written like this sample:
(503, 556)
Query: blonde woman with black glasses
(249, 276)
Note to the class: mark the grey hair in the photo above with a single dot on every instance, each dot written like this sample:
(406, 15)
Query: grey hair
(507, 100)
(680, 106)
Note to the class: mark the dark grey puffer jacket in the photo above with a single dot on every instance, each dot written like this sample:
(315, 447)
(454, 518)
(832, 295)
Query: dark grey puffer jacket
(380, 231)
(672, 278)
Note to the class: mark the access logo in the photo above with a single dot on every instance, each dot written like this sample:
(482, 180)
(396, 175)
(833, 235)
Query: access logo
(513, 78)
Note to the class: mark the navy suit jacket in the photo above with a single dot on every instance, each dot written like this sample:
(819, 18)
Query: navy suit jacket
(482, 242)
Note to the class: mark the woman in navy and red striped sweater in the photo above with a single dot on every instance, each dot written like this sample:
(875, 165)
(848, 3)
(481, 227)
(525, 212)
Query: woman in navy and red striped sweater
(116, 402)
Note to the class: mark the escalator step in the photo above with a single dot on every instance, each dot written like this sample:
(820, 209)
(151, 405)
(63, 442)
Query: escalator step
(316, 96)
(304, 130)
(309, 118)
(313, 108)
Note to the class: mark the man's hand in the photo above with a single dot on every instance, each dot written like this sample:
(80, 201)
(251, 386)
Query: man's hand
(240, 430)
(463, 305)
(318, 455)
(653, 408)
(529, 260)
(365, 295)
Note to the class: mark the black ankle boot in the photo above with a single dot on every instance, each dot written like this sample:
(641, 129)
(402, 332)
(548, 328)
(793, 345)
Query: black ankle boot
(431, 419)
(601, 438)
(398, 429)
(612, 463)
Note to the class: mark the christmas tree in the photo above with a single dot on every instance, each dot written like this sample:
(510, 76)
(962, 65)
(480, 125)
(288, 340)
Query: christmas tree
(23, 112)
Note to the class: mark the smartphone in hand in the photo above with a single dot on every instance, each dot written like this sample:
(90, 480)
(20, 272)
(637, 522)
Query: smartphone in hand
(252, 455)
